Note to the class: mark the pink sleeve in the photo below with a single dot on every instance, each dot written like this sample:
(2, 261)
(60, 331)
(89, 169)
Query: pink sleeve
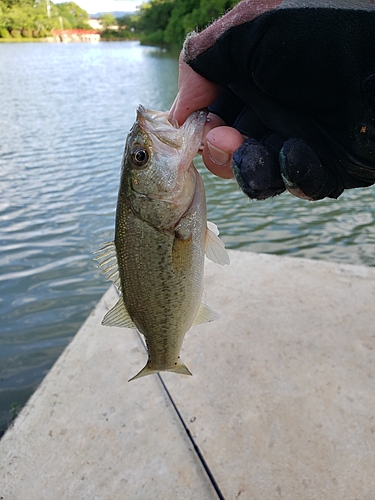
(245, 11)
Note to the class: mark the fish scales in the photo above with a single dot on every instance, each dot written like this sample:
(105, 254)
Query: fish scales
(162, 284)
(161, 237)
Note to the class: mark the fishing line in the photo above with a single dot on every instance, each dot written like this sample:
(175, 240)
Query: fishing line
(192, 440)
(189, 435)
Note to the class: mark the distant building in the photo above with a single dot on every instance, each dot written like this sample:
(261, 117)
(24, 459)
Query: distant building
(95, 24)
(76, 35)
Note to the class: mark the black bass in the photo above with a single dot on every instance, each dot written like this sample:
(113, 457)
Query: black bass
(161, 238)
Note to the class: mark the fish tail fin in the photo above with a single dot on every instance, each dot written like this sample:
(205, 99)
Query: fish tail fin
(180, 368)
(146, 370)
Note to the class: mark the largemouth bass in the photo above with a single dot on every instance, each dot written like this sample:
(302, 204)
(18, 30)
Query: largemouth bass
(161, 238)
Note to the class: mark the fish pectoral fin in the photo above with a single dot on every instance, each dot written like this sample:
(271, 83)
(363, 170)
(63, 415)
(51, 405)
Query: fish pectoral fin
(215, 249)
(118, 316)
(205, 315)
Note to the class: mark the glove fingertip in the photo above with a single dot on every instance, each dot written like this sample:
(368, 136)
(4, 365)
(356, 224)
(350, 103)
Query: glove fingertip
(303, 173)
(257, 171)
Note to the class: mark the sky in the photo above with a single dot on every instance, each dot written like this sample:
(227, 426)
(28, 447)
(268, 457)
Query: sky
(94, 6)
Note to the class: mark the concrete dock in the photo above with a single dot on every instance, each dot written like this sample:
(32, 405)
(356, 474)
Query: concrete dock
(281, 404)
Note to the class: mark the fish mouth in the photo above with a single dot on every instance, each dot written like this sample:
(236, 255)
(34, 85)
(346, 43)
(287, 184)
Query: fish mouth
(188, 136)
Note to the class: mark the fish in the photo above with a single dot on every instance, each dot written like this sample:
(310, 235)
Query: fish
(161, 238)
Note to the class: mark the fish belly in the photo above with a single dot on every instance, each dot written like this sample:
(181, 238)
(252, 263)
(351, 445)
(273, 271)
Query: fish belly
(162, 283)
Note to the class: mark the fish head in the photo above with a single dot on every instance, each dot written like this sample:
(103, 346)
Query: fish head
(157, 165)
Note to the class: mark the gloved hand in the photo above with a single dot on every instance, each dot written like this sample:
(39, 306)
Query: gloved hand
(299, 82)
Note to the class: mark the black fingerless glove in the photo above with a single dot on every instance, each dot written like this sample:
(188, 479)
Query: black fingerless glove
(300, 83)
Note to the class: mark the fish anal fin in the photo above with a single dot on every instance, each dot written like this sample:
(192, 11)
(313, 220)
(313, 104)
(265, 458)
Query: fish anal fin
(205, 314)
(118, 316)
(215, 249)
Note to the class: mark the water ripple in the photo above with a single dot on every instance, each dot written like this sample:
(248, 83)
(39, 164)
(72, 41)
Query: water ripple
(64, 114)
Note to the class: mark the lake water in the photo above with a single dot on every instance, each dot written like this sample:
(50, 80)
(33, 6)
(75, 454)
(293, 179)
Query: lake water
(65, 110)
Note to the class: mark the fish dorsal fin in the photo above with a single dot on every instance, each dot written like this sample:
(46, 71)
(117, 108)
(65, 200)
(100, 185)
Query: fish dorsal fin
(118, 316)
(215, 249)
(205, 314)
(107, 258)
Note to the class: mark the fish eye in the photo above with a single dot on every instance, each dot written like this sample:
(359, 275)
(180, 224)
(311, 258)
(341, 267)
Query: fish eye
(139, 156)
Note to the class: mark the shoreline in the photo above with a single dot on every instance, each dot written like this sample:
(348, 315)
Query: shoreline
(22, 40)
(46, 40)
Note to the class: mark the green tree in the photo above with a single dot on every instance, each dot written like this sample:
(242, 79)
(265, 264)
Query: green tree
(153, 20)
(2, 15)
(155, 15)
(72, 15)
(107, 19)
(10, 3)
(193, 15)
(166, 22)
(129, 21)
(180, 23)
(208, 11)
(20, 17)
(30, 17)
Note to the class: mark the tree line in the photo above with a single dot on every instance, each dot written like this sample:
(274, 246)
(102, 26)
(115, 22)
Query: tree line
(163, 23)
(166, 22)
(36, 18)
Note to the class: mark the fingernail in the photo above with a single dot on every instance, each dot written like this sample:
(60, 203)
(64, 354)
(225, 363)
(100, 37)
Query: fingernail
(217, 155)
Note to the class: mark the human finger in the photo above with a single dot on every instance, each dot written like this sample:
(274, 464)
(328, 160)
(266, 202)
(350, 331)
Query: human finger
(194, 92)
(218, 147)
